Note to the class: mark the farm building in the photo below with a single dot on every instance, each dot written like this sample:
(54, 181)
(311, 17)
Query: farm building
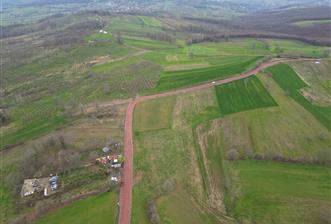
(46, 185)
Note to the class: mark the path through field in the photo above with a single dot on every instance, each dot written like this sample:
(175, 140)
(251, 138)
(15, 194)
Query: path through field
(127, 175)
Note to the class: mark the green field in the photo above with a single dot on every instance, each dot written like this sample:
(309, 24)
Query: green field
(172, 80)
(317, 75)
(185, 166)
(286, 132)
(272, 192)
(165, 160)
(123, 71)
(57, 70)
(289, 81)
(154, 115)
(241, 95)
(147, 44)
(94, 209)
(308, 23)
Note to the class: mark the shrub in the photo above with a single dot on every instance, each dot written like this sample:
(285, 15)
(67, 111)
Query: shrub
(152, 213)
(232, 154)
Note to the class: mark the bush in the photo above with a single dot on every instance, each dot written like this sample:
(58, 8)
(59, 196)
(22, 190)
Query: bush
(232, 154)
(323, 156)
(152, 213)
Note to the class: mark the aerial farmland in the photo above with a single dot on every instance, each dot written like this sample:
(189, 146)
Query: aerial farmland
(155, 112)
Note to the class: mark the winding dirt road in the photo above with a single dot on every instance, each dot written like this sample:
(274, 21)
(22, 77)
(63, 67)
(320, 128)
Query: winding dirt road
(127, 174)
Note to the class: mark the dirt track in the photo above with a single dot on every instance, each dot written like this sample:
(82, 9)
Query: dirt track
(127, 175)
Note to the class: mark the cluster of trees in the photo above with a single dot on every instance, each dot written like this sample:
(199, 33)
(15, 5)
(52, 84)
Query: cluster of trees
(51, 154)
(71, 35)
(273, 24)
(160, 36)
(322, 156)
(198, 38)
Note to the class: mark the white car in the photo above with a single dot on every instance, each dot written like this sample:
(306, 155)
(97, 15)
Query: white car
(213, 82)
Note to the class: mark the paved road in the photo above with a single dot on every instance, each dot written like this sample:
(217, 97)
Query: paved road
(127, 174)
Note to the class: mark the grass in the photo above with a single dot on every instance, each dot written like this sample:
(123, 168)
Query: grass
(40, 93)
(241, 95)
(289, 81)
(34, 129)
(125, 75)
(134, 25)
(294, 48)
(203, 181)
(173, 80)
(287, 131)
(189, 213)
(165, 160)
(318, 78)
(154, 115)
(95, 209)
(6, 202)
(147, 44)
(308, 23)
(274, 192)
(151, 21)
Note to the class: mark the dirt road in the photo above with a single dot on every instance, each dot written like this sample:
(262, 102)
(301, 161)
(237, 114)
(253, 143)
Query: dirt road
(127, 175)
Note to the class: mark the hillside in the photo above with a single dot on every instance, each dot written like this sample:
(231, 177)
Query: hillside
(217, 109)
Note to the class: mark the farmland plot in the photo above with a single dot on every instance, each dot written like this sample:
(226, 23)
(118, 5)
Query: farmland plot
(241, 95)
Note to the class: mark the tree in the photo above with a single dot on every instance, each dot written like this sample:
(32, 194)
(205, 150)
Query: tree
(119, 39)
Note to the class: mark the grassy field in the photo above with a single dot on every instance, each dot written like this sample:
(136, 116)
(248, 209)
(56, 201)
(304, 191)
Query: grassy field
(287, 131)
(145, 120)
(117, 72)
(172, 80)
(186, 164)
(165, 160)
(307, 23)
(241, 95)
(272, 192)
(94, 209)
(289, 81)
(317, 76)
(147, 44)
(44, 95)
